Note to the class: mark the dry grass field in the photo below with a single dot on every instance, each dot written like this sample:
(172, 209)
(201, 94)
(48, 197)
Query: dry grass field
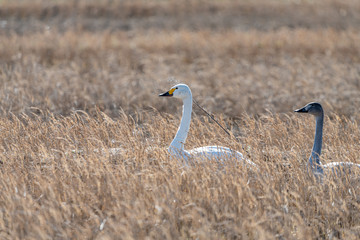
(78, 78)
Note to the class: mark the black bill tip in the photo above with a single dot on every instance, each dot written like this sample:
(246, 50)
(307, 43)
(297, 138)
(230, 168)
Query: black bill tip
(165, 94)
(301, 110)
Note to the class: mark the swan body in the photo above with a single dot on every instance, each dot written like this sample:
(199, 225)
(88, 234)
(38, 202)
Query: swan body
(219, 153)
(216, 153)
(314, 160)
(176, 148)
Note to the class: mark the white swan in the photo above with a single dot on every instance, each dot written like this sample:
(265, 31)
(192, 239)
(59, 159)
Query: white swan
(314, 161)
(176, 147)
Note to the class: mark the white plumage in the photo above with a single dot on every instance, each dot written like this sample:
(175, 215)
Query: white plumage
(176, 148)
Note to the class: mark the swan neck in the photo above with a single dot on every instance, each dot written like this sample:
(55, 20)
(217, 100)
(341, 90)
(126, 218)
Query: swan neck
(180, 137)
(314, 159)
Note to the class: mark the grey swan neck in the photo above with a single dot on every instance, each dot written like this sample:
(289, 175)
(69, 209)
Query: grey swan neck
(180, 137)
(314, 159)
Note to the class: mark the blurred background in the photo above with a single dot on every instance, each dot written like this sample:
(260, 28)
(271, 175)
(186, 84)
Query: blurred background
(237, 56)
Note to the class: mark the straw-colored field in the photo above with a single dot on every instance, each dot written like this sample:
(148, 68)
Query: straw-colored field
(80, 77)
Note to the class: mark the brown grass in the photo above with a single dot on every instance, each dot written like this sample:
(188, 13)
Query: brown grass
(74, 84)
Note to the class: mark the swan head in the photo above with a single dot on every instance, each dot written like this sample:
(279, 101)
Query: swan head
(181, 91)
(313, 108)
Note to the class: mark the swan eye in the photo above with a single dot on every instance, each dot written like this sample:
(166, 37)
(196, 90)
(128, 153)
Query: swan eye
(176, 88)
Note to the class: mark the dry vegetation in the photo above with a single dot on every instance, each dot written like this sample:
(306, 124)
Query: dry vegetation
(85, 75)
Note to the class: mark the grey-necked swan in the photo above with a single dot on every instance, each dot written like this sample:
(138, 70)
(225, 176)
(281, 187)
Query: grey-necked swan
(176, 147)
(314, 161)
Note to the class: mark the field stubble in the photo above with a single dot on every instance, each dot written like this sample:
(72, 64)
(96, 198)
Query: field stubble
(51, 192)
(89, 89)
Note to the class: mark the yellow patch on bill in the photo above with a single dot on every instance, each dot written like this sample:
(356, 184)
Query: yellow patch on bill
(171, 91)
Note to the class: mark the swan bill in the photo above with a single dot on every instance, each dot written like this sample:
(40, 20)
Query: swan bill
(302, 110)
(168, 93)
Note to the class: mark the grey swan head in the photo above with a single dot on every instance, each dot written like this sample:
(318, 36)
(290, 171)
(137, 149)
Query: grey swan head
(314, 163)
(316, 110)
